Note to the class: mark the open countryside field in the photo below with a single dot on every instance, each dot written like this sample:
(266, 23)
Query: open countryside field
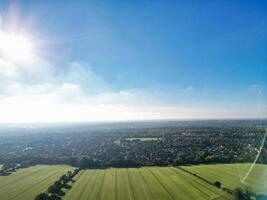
(26, 183)
(233, 175)
(147, 183)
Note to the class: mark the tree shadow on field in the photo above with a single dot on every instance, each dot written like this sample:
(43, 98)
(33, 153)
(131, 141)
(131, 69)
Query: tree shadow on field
(61, 193)
(67, 186)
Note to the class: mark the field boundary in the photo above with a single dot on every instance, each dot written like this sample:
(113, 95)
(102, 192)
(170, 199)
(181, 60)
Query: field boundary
(37, 183)
(201, 183)
(22, 177)
(229, 191)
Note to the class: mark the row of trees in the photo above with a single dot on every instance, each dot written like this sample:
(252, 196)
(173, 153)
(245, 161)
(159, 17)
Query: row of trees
(238, 193)
(85, 162)
(54, 191)
(8, 168)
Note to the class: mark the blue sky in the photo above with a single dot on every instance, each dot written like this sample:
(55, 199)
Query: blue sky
(199, 59)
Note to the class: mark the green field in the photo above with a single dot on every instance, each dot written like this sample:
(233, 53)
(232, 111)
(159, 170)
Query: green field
(26, 183)
(147, 183)
(232, 175)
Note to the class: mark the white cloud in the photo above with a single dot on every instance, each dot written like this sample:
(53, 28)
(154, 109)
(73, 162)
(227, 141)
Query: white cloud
(47, 108)
(83, 75)
(39, 91)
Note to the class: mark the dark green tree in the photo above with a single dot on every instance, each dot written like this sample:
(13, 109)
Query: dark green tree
(243, 194)
(42, 196)
(218, 184)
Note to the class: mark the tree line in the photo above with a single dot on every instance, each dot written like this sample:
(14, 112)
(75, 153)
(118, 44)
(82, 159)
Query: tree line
(54, 191)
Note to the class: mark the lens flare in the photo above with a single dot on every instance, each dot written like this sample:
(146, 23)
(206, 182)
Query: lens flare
(15, 47)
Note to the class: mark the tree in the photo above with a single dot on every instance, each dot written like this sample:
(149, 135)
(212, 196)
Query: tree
(55, 197)
(243, 194)
(84, 162)
(123, 163)
(64, 179)
(7, 166)
(76, 171)
(42, 196)
(58, 184)
(69, 173)
(53, 189)
(218, 184)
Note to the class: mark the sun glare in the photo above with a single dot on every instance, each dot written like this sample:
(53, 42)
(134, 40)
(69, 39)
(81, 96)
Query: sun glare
(15, 47)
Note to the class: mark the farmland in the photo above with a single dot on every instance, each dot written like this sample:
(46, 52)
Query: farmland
(165, 182)
(141, 184)
(163, 162)
(25, 184)
(231, 175)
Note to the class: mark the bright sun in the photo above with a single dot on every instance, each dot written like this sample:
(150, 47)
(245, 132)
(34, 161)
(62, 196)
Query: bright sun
(15, 47)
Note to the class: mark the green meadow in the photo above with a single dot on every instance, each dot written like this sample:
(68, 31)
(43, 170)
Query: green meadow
(25, 184)
(146, 183)
(235, 175)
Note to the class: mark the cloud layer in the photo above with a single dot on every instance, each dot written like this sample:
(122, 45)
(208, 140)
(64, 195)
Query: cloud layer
(37, 90)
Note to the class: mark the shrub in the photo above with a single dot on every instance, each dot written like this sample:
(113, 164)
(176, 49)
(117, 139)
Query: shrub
(218, 184)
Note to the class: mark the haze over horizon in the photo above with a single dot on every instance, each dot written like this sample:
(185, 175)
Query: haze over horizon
(118, 61)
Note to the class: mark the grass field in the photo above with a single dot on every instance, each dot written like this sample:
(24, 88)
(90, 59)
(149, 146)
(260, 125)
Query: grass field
(26, 183)
(147, 183)
(233, 175)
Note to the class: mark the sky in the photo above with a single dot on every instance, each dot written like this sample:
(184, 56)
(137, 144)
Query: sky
(132, 60)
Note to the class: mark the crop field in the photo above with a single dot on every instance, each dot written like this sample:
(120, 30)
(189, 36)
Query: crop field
(147, 183)
(233, 175)
(26, 183)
